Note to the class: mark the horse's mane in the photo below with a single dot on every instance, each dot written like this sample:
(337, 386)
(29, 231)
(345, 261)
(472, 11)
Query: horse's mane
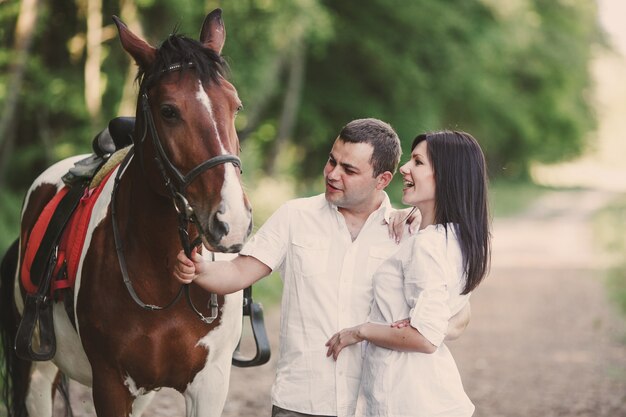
(181, 50)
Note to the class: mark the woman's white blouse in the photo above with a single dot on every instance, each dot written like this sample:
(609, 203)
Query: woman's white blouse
(422, 281)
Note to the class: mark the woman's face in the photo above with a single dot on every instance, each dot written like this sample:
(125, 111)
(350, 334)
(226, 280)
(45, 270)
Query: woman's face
(419, 180)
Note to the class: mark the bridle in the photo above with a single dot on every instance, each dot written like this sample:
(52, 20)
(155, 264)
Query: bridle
(178, 187)
(176, 184)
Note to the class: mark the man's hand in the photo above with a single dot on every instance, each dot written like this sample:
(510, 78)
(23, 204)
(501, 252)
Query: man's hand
(186, 270)
(401, 323)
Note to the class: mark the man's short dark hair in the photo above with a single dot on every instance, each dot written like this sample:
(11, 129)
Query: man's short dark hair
(382, 137)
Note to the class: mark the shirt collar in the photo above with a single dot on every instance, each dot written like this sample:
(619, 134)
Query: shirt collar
(385, 209)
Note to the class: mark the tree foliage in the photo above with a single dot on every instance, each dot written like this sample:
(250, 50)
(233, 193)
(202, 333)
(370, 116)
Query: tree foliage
(514, 73)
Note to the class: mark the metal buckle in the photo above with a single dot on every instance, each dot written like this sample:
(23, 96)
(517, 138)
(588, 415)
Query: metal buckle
(186, 208)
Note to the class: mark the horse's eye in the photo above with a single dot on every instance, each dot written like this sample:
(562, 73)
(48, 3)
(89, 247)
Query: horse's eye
(169, 112)
(239, 108)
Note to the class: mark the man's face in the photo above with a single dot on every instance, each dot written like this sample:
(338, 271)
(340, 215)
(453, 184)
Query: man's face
(348, 174)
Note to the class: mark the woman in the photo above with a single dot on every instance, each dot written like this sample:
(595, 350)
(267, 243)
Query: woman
(407, 370)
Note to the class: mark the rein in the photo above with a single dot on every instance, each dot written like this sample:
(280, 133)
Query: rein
(176, 190)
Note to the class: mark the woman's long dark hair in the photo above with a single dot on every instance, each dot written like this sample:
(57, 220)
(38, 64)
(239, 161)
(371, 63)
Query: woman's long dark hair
(461, 196)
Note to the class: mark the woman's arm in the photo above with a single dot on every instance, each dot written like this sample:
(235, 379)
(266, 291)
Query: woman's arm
(399, 336)
(405, 339)
(221, 277)
(456, 326)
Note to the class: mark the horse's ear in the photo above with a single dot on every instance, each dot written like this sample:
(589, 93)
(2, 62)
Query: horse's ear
(140, 50)
(213, 33)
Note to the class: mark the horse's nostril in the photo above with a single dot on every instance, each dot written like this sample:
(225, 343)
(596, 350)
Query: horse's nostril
(218, 227)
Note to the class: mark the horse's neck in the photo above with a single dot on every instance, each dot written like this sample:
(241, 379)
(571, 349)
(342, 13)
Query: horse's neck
(145, 214)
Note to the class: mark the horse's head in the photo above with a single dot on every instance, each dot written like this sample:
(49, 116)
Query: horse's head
(185, 134)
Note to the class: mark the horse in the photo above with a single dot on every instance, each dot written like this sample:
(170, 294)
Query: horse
(111, 333)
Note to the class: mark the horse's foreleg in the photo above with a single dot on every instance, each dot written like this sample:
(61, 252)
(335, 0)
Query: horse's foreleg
(111, 398)
(206, 395)
(40, 394)
(141, 403)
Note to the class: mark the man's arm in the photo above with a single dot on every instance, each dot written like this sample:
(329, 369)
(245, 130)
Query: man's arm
(221, 277)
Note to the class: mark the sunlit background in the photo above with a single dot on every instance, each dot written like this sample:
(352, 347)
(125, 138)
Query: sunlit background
(603, 165)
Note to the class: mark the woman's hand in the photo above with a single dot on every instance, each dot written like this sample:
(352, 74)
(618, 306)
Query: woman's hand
(340, 340)
(401, 323)
(186, 270)
(410, 216)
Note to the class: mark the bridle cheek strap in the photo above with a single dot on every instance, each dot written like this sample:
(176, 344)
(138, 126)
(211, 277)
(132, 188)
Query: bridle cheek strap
(181, 205)
(163, 160)
(177, 188)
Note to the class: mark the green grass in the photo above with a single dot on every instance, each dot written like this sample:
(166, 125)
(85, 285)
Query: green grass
(610, 231)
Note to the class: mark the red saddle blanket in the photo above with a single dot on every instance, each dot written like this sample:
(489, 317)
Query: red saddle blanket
(71, 242)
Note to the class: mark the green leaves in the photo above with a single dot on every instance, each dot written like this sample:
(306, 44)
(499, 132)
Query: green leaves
(515, 74)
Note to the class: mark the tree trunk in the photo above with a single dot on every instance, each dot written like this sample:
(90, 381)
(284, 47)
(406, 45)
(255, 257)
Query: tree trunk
(24, 33)
(93, 87)
(266, 93)
(291, 105)
(128, 103)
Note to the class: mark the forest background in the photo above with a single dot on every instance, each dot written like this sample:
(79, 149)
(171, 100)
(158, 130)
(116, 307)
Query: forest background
(515, 73)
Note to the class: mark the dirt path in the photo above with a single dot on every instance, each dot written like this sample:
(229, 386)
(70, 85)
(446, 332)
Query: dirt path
(543, 340)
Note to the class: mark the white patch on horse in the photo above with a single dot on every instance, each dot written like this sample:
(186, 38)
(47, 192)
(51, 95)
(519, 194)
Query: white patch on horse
(205, 101)
(234, 213)
(98, 214)
(53, 176)
(70, 356)
(206, 394)
(38, 398)
(132, 387)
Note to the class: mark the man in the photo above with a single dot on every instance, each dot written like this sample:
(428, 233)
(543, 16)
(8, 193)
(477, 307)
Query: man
(326, 248)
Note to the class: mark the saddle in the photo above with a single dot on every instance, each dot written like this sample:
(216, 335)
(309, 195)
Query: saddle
(47, 270)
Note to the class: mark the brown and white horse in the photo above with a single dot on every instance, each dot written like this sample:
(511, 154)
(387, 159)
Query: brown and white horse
(184, 124)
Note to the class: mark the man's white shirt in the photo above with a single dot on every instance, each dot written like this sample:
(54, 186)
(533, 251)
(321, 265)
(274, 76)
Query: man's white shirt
(327, 286)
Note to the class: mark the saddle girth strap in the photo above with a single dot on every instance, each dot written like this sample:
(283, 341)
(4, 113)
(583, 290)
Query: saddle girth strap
(55, 228)
(37, 316)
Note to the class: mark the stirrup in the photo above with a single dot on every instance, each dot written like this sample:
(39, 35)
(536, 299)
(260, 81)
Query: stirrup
(37, 323)
(255, 312)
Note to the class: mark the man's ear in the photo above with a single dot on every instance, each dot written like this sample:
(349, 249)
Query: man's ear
(383, 180)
